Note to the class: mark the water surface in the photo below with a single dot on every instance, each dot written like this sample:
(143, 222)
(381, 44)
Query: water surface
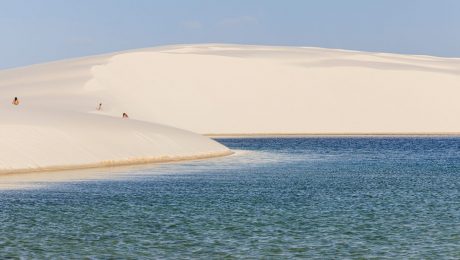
(277, 197)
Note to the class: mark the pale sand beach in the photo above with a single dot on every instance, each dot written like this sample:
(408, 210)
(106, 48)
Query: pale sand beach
(217, 89)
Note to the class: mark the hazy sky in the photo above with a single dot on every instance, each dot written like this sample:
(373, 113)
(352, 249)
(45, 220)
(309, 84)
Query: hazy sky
(34, 31)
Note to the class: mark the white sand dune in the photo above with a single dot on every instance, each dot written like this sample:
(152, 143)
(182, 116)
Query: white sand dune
(48, 140)
(253, 89)
(44, 139)
(56, 126)
(214, 89)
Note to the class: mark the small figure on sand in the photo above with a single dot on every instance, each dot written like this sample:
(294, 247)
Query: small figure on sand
(99, 107)
(125, 115)
(15, 101)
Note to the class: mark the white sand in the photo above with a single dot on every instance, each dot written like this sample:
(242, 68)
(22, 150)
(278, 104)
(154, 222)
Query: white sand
(56, 126)
(217, 89)
(234, 89)
(49, 139)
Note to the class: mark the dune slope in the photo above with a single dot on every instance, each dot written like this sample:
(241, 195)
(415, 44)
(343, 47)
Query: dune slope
(57, 126)
(34, 140)
(216, 88)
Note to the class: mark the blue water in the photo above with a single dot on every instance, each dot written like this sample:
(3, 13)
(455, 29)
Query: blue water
(276, 198)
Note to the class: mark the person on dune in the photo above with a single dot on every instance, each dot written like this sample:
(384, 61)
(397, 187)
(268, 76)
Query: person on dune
(15, 101)
(125, 115)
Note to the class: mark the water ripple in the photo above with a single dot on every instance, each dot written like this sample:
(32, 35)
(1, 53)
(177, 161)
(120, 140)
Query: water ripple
(275, 198)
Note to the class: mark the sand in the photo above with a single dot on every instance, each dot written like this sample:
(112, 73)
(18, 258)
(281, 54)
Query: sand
(45, 139)
(214, 89)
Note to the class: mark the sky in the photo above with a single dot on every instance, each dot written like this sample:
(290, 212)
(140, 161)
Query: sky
(37, 31)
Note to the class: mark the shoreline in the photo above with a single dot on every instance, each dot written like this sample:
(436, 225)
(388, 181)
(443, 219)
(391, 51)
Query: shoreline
(297, 135)
(117, 163)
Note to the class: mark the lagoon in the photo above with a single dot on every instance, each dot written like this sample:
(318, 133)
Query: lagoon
(311, 197)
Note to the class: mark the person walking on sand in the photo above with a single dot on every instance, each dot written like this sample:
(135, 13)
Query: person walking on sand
(15, 101)
(125, 115)
(99, 107)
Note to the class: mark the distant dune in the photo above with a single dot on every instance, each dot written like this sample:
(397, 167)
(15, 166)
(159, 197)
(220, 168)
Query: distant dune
(253, 89)
(215, 89)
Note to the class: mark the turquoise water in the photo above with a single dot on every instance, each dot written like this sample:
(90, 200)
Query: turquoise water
(277, 198)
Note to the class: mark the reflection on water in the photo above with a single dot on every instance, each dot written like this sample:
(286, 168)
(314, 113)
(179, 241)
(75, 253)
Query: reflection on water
(276, 198)
(37, 180)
